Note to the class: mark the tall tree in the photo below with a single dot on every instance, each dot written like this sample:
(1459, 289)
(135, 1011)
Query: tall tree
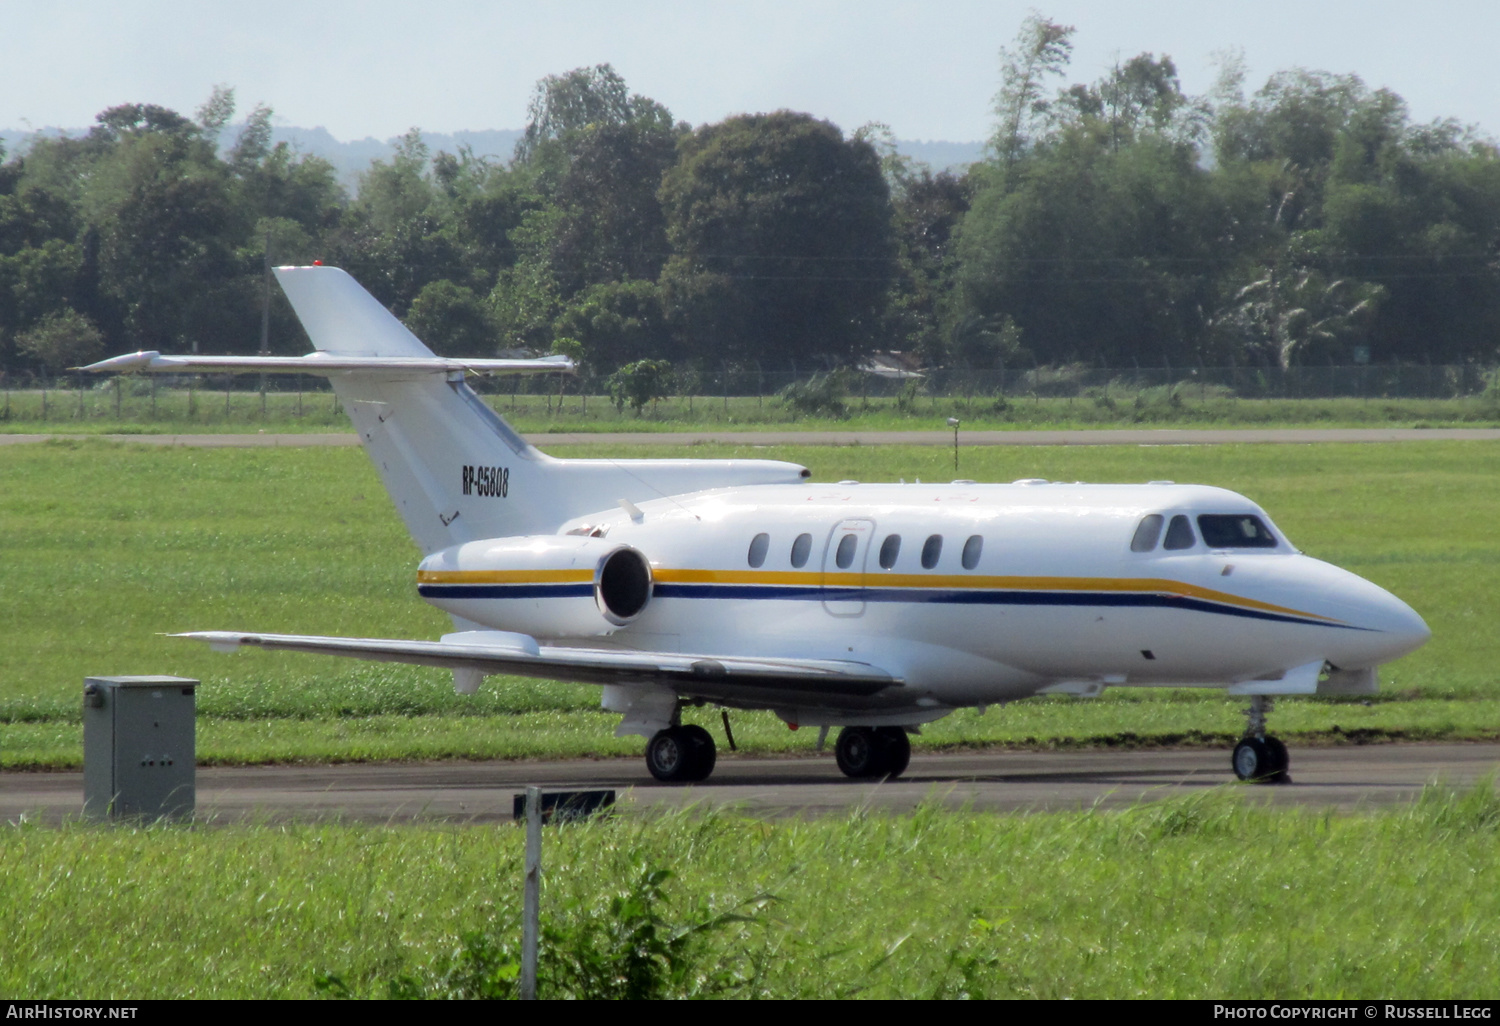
(782, 241)
(1041, 51)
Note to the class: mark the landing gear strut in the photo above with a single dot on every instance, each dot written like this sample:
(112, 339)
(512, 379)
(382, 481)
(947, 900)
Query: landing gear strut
(1257, 757)
(873, 751)
(680, 755)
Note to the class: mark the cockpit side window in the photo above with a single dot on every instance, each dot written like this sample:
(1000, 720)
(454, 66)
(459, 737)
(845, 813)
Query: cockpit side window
(1180, 534)
(1235, 531)
(1147, 534)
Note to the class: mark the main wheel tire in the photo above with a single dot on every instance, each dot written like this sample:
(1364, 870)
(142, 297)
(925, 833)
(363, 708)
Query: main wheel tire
(1252, 759)
(669, 756)
(1280, 762)
(897, 754)
(700, 744)
(859, 752)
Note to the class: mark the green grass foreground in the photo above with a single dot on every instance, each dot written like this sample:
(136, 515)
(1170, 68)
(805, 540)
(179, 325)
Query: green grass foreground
(1207, 896)
(94, 410)
(103, 547)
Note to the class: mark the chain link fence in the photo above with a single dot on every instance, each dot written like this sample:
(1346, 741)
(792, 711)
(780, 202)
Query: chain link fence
(249, 397)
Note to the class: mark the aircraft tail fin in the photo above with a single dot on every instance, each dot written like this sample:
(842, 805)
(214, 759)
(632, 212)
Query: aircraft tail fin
(455, 469)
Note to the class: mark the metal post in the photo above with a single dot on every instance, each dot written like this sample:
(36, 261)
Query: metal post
(531, 901)
(953, 423)
(265, 319)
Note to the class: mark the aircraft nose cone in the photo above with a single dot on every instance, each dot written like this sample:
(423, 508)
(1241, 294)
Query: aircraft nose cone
(1406, 627)
(1391, 628)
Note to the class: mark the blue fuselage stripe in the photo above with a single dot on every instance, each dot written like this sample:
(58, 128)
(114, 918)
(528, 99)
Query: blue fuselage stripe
(940, 596)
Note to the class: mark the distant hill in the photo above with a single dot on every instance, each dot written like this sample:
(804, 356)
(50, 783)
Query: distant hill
(351, 157)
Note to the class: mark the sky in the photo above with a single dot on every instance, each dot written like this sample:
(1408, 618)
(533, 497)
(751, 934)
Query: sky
(927, 69)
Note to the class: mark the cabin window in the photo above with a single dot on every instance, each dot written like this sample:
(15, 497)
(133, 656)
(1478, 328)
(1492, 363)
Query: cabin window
(973, 548)
(932, 551)
(1179, 534)
(801, 549)
(1235, 531)
(843, 557)
(759, 546)
(889, 550)
(1147, 534)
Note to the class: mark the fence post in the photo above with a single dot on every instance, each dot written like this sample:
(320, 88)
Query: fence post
(532, 896)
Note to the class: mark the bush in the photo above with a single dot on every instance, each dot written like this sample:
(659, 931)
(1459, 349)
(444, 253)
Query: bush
(639, 383)
(822, 395)
(628, 950)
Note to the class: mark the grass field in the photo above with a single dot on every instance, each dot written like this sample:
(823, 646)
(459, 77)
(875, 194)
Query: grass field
(1202, 897)
(104, 546)
(95, 411)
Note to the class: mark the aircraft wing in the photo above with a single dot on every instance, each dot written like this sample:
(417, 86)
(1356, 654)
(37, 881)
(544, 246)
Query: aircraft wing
(736, 679)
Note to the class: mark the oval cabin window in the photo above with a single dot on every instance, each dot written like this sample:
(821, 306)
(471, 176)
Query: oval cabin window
(932, 551)
(801, 549)
(759, 546)
(889, 550)
(973, 549)
(843, 557)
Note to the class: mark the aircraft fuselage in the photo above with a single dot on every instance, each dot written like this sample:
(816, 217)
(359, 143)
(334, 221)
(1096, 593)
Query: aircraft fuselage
(970, 593)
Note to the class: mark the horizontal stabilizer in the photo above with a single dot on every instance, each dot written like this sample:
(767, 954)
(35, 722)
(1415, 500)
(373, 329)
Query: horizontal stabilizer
(323, 364)
(714, 677)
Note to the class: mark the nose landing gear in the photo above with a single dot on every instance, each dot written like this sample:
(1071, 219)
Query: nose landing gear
(1259, 758)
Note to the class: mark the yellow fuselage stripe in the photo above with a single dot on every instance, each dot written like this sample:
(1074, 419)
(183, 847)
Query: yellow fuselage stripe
(814, 578)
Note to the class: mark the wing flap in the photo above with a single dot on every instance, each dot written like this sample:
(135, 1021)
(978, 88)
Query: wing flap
(697, 675)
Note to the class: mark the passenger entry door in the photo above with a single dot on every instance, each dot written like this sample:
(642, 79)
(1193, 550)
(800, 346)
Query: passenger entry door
(844, 567)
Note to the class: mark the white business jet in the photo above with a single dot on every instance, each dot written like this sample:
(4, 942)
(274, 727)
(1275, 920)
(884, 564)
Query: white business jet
(874, 608)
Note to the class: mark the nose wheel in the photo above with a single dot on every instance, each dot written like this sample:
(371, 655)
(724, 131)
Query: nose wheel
(1259, 758)
(681, 755)
(872, 751)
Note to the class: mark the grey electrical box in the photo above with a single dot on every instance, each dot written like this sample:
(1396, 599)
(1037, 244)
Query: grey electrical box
(139, 748)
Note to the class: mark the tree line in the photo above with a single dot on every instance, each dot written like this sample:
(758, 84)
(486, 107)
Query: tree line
(1112, 222)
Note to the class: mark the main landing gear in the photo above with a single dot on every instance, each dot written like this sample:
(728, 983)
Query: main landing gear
(685, 754)
(873, 751)
(1257, 757)
(681, 755)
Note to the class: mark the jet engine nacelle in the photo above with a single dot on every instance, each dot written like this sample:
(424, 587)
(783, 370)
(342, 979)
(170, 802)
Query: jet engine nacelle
(551, 586)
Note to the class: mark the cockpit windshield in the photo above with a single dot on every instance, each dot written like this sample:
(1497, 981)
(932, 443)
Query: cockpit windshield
(1218, 530)
(1235, 531)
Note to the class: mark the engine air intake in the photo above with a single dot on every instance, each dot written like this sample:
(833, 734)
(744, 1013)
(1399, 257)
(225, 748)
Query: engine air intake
(622, 585)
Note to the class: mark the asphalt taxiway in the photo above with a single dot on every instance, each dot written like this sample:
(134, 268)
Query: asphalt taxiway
(1347, 779)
